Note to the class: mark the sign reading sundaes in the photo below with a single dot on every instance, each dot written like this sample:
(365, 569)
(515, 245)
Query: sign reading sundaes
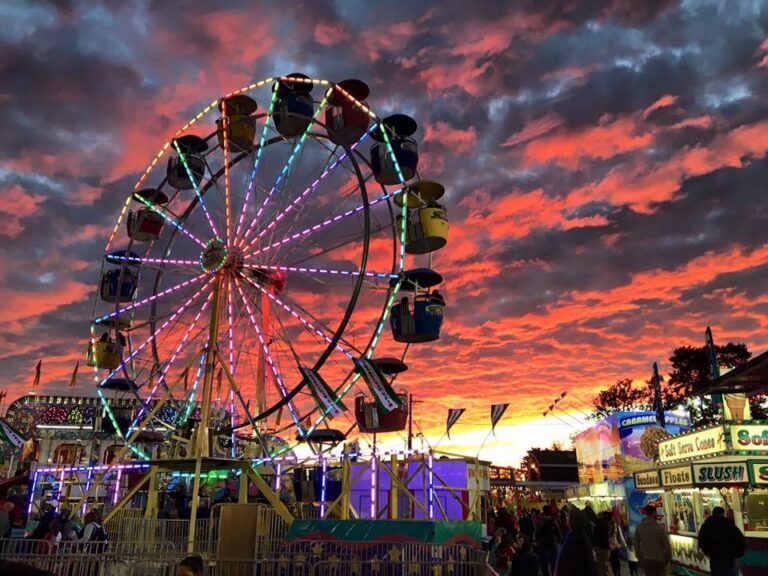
(692, 445)
(648, 479)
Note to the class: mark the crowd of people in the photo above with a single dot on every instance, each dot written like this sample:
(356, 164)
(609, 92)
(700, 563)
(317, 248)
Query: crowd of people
(574, 542)
(56, 528)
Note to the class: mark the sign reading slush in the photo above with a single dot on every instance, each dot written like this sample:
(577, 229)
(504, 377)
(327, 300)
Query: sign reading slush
(721, 473)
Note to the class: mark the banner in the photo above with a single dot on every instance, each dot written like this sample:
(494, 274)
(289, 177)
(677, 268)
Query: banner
(8, 435)
(324, 396)
(73, 380)
(378, 384)
(497, 411)
(453, 416)
(36, 381)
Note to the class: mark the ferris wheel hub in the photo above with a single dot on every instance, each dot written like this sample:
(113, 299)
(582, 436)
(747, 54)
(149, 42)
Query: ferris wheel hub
(214, 256)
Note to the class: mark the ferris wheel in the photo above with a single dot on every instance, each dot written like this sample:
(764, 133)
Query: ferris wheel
(255, 267)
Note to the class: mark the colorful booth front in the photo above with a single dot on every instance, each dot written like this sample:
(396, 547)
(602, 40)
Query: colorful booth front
(724, 465)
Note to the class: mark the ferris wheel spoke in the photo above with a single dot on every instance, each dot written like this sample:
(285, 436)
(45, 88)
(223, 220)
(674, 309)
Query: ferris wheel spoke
(173, 289)
(156, 261)
(333, 272)
(199, 194)
(179, 348)
(322, 225)
(268, 357)
(328, 170)
(256, 162)
(304, 322)
(170, 218)
(227, 191)
(287, 166)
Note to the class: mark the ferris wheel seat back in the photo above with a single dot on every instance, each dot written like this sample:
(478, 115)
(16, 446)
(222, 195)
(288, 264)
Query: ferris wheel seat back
(193, 148)
(372, 419)
(399, 131)
(427, 229)
(240, 125)
(118, 385)
(293, 114)
(113, 290)
(103, 355)
(346, 122)
(421, 324)
(144, 225)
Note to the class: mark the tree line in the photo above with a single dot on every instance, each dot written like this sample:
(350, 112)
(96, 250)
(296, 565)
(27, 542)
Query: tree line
(690, 373)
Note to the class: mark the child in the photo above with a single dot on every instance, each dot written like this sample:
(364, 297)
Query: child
(190, 566)
(631, 557)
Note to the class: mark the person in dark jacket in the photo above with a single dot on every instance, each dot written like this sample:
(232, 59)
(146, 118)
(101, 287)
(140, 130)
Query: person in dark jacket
(722, 541)
(525, 562)
(547, 539)
(526, 524)
(576, 557)
(601, 542)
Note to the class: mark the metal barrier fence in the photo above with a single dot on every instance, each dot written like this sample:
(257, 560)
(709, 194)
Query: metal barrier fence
(314, 550)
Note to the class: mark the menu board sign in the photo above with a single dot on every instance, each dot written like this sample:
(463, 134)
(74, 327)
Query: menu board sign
(720, 473)
(693, 445)
(759, 472)
(678, 476)
(749, 437)
(648, 479)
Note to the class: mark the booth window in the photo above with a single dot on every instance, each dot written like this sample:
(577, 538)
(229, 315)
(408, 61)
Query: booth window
(682, 515)
(756, 511)
(712, 497)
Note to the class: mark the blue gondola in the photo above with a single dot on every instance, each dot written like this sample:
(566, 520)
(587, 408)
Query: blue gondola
(112, 290)
(294, 107)
(400, 129)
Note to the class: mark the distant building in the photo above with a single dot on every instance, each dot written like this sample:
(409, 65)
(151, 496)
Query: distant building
(552, 466)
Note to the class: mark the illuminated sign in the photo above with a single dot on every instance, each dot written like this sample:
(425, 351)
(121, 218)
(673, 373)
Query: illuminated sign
(721, 473)
(502, 474)
(685, 551)
(650, 419)
(678, 476)
(693, 445)
(648, 479)
(759, 472)
(749, 437)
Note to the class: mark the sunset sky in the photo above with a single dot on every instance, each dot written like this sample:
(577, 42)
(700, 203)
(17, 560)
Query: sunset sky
(604, 160)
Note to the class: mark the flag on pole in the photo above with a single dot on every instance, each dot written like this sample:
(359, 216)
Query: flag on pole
(714, 368)
(453, 416)
(378, 384)
(73, 380)
(219, 376)
(36, 381)
(185, 376)
(497, 411)
(324, 396)
(658, 404)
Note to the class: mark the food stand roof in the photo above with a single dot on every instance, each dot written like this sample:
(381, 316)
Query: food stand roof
(749, 378)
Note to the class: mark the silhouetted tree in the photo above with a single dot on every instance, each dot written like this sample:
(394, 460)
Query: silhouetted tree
(620, 397)
(690, 373)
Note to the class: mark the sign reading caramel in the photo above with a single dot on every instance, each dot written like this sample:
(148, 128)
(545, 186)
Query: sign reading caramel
(678, 476)
(693, 445)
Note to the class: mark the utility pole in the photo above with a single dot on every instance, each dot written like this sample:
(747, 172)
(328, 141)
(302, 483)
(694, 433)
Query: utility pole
(411, 402)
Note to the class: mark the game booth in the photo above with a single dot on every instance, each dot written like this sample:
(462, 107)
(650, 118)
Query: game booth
(608, 455)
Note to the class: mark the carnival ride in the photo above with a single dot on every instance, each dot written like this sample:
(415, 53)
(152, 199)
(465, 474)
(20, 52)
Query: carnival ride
(249, 278)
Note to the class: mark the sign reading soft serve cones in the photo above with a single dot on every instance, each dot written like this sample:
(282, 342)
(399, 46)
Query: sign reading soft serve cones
(748, 437)
(706, 442)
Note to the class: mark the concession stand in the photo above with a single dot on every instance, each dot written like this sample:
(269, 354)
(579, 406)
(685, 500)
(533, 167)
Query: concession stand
(724, 465)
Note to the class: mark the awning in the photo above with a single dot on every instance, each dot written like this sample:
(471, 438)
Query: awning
(749, 378)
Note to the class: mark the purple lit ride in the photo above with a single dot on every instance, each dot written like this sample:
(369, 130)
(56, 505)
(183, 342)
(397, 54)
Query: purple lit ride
(253, 269)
